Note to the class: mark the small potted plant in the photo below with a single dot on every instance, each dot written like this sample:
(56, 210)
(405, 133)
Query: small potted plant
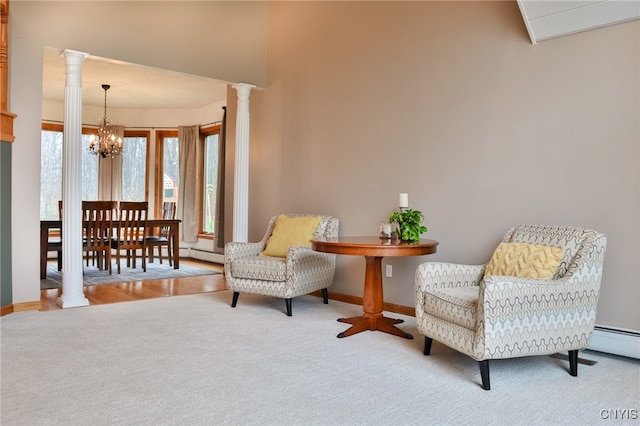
(409, 224)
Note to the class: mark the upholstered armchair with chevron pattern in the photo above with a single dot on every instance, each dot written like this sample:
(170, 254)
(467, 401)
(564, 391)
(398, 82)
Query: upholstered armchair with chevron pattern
(282, 264)
(537, 295)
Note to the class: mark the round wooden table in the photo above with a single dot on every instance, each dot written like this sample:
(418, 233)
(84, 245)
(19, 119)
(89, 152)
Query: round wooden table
(373, 249)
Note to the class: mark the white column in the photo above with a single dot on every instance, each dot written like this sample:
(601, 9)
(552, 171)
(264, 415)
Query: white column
(241, 180)
(72, 291)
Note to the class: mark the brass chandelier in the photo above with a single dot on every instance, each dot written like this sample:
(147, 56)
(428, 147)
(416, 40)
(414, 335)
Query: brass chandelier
(105, 143)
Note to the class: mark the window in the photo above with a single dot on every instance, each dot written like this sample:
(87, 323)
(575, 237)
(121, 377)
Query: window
(210, 178)
(50, 173)
(89, 169)
(134, 166)
(168, 174)
(51, 170)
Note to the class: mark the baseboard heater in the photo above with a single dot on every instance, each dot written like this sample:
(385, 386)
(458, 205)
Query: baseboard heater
(616, 341)
(206, 255)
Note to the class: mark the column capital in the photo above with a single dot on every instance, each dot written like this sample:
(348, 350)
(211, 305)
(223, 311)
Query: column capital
(74, 54)
(74, 60)
(244, 89)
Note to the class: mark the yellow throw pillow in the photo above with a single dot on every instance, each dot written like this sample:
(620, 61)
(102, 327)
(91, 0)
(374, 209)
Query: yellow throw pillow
(525, 261)
(290, 232)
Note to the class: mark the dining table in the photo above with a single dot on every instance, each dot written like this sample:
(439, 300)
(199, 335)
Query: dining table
(46, 226)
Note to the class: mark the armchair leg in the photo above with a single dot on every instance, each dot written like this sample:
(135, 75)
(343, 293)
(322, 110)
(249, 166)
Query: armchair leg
(325, 296)
(288, 302)
(573, 363)
(484, 373)
(427, 345)
(234, 302)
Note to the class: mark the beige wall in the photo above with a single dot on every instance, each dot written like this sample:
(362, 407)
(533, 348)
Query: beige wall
(451, 103)
(448, 101)
(153, 33)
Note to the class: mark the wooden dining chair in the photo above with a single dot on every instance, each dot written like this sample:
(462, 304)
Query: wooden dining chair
(131, 232)
(164, 237)
(97, 218)
(55, 244)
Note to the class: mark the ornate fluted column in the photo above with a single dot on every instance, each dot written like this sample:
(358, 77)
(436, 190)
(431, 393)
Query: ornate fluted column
(72, 291)
(241, 180)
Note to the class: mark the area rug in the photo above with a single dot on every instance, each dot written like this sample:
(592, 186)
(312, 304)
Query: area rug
(94, 276)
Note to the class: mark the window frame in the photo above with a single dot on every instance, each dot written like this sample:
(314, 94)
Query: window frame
(214, 129)
(59, 127)
(159, 170)
(142, 134)
(88, 130)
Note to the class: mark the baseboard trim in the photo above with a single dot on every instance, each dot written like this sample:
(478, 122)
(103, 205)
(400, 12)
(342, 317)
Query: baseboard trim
(5, 310)
(616, 341)
(355, 300)
(27, 306)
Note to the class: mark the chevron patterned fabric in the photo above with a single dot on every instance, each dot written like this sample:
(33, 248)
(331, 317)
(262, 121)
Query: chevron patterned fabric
(301, 271)
(487, 312)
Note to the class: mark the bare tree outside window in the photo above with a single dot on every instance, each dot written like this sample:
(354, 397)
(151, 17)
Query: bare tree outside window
(171, 169)
(89, 171)
(210, 183)
(134, 169)
(51, 172)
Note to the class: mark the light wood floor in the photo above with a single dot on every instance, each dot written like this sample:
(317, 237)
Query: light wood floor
(149, 289)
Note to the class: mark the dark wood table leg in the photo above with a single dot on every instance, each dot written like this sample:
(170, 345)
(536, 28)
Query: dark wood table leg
(175, 232)
(372, 304)
(44, 237)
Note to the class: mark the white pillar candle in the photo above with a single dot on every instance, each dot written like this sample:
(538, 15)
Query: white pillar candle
(404, 200)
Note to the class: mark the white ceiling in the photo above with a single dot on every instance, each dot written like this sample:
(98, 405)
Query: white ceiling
(546, 19)
(132, 86)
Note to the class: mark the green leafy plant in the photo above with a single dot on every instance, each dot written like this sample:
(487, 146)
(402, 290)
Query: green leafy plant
(409, 224)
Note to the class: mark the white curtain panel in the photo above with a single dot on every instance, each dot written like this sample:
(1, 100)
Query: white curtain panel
(110, 173)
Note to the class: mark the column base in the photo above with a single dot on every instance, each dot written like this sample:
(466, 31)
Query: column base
(63, 303)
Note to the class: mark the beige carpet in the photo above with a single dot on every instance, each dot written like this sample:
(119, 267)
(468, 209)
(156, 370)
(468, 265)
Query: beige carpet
(194, 360)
